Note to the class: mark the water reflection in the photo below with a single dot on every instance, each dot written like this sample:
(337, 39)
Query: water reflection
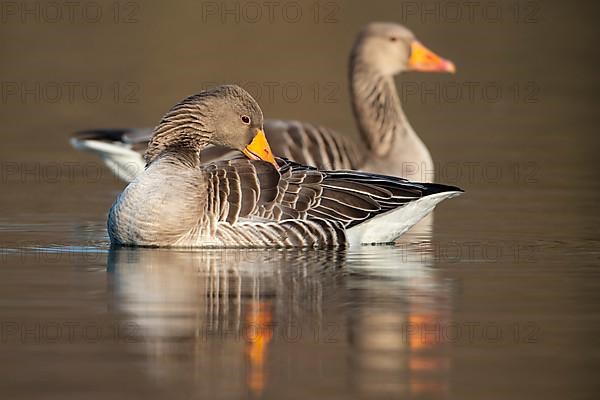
(396, 336)
(251, 321)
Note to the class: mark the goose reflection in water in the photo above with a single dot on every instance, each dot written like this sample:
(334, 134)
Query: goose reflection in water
(250, 321)
(395, 330)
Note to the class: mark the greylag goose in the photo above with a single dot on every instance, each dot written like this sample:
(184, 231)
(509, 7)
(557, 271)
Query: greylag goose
(257, 201)
(388, 142)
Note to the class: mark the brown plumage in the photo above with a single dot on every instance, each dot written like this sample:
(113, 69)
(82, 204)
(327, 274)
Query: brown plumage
(179, 200)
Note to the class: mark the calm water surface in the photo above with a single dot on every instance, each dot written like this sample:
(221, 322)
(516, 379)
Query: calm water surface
(500, 301)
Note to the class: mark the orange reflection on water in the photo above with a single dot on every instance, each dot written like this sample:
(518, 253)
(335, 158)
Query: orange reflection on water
(426, 363)
(424, 332)
(258, 334)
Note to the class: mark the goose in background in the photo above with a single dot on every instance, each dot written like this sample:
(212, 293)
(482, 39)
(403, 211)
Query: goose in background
(387, 142)
(258, 201)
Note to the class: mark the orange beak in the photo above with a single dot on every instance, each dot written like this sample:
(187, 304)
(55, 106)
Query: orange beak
(259, 149)
(423, 59)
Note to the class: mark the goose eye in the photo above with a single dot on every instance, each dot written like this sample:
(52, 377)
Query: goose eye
(246, 119)
(393, 39)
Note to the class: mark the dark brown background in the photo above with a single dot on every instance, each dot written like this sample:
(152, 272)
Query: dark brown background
(170, 53)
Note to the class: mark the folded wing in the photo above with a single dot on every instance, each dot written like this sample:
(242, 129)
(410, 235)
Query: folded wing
(251, 202)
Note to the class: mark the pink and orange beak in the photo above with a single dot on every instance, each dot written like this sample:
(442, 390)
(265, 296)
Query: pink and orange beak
(259, 149)
(423, 59)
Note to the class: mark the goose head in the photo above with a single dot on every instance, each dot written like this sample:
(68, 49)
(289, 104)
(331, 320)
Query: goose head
(225, 116)
(391, 48)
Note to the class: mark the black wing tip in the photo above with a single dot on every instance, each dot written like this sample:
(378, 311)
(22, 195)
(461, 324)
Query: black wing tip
(428, 188)
(103, 135)
(435, 188)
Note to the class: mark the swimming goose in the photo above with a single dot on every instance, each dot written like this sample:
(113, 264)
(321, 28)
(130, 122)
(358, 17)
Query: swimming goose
(387, 144)
(257, 201)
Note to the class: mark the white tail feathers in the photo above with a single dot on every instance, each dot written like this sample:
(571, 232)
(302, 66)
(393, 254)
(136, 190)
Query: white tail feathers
(118, 157)
(388, 227)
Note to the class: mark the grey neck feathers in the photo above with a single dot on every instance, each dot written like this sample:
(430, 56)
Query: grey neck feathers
(376, 107)
(181, 134)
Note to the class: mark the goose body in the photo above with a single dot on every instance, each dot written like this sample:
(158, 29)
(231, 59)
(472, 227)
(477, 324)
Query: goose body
(179, 200)
(388, 143)
(245, 203)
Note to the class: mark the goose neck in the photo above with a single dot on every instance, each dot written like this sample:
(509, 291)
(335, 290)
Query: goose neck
(377, 108)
